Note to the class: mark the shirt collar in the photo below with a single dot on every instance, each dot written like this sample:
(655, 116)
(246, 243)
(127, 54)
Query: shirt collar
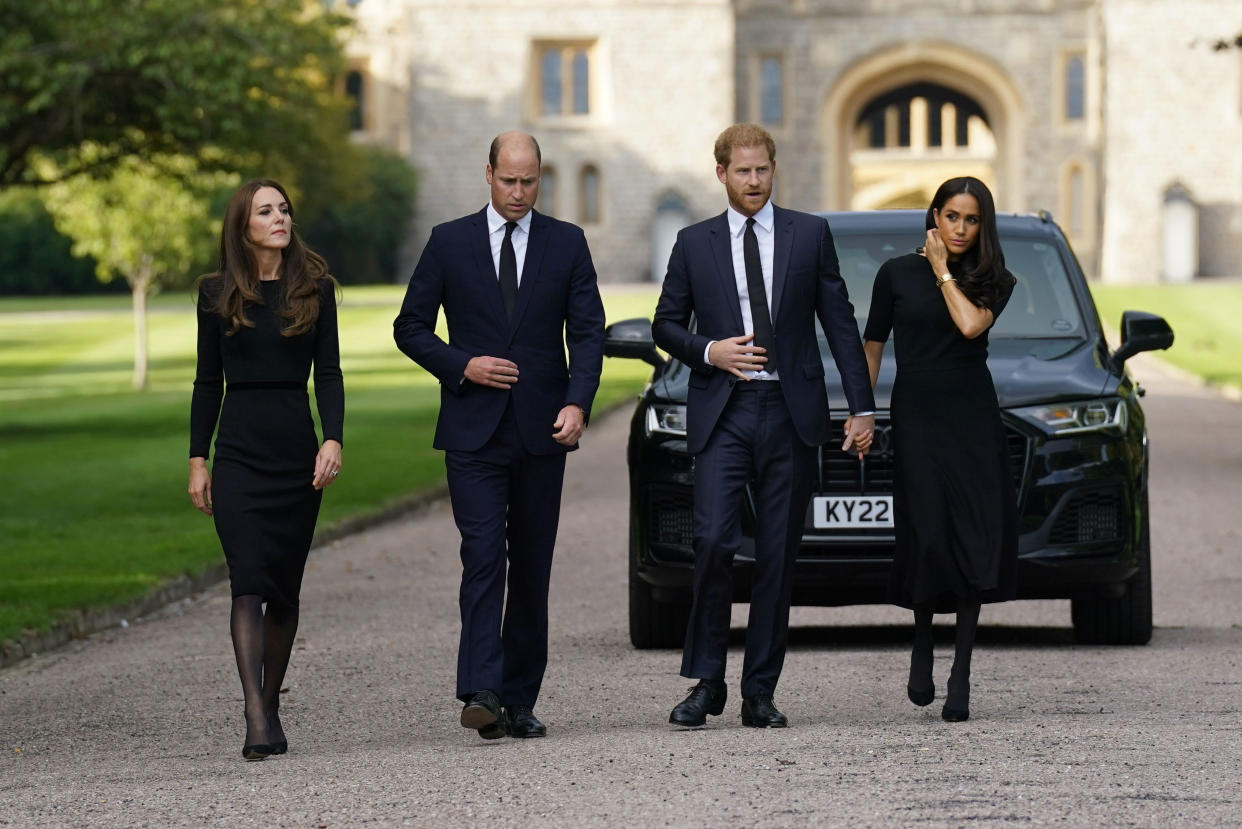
(497, 222)
(765, 218)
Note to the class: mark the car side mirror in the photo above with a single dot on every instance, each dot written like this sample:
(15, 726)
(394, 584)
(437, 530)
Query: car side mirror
(1141, 331)
(632, 340)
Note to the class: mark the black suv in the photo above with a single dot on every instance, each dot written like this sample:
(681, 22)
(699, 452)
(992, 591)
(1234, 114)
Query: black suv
(1077, 441)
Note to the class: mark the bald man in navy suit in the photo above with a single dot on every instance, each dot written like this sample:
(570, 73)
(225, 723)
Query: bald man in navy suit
(518, 290)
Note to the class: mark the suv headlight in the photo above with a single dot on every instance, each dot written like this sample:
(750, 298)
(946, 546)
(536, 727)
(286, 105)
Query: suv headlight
(1105, 415)
(666, 419)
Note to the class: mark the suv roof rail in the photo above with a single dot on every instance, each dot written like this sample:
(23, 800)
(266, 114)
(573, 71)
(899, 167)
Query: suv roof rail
(1044, 216)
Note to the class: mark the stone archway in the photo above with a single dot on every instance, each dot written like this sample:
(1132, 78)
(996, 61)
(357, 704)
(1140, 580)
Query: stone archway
(922, 62)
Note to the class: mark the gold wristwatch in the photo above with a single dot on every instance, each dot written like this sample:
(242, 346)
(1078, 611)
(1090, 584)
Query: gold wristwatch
(943, 278)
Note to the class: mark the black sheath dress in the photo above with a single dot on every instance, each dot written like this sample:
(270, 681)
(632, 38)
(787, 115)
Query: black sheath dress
(263, 502)
(954, 504)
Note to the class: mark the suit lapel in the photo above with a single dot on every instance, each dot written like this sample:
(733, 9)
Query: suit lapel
(782, 245)
(481, 246)
(722, 248)
(536, 245)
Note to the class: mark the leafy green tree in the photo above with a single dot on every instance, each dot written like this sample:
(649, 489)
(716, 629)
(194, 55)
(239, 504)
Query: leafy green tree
(238, 83)
(34, 257)
(148, 221)
(360, 231)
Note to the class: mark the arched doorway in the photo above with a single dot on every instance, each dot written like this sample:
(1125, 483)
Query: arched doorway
(908, 140)
(898, 122)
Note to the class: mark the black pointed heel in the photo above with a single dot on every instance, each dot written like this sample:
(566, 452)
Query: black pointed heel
(957, 701)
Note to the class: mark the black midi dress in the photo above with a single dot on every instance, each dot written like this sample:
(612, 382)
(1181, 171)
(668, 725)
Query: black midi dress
(954, 503)
(264, 505)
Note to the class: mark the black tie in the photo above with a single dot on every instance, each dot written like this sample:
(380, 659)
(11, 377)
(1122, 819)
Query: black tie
(759, 315)
(508, 271)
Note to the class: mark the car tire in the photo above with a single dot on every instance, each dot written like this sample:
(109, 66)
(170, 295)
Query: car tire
(653, 623)
(1125, 620)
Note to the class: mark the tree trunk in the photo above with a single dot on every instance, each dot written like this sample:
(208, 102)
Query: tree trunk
(140, 285)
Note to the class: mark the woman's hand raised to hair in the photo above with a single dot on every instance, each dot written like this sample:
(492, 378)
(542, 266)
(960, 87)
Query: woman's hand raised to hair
(936, 253)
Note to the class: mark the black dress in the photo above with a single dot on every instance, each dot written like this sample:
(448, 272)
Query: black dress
(263, 502)
(954, 504)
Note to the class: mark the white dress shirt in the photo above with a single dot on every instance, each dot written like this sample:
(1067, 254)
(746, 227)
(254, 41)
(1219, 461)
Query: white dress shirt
(765, 225)
(496, 236)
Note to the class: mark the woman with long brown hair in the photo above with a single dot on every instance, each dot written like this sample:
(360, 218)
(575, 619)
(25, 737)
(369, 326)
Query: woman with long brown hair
(954, 506)
(265, 317)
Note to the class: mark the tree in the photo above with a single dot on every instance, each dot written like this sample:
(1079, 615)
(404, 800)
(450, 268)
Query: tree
(360, 230)
(148, 221)
(234, 82)
(34, 257)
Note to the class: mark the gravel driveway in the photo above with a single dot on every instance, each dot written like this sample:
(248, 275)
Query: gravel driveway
(142, 726)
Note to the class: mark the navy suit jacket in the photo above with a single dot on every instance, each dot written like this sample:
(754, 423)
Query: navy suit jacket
(806, 284)
(558, 305)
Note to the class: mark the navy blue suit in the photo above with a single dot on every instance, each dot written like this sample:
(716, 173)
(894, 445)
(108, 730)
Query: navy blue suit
(761, 431)
(504, 468)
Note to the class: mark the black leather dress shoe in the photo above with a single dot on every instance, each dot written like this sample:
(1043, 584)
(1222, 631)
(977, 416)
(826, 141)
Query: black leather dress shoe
(494, 731)
(482, 710)
(521, 722)
(759, 712)
(708, 697)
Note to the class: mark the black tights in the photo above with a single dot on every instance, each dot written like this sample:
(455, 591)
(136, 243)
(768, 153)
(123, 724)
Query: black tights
(963, 645)
(262, 643)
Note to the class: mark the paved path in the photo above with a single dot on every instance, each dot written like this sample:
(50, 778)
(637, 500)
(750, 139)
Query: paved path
(142, 726)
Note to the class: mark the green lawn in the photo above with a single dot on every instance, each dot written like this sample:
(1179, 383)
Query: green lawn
(1204, 315)
(94, 505)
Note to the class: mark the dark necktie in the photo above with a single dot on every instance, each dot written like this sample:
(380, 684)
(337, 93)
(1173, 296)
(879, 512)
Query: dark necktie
(759, 315)
(508, 271)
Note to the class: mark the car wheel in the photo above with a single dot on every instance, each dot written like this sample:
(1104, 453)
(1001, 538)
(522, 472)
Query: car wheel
(1125, 620)
(653, 623)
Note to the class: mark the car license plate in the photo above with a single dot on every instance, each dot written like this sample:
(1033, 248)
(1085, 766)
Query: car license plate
(834, 512)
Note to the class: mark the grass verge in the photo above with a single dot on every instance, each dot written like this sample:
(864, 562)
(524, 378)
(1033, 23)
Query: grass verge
(1204, 316)
(95, 511)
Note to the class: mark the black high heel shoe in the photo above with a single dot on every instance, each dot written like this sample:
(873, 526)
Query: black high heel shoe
(258, 751)
(921, 669)
(957, 702)
(278, 746)
(921, 698)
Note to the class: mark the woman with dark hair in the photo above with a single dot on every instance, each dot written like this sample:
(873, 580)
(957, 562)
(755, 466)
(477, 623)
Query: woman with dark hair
(264, 318)
(954, 505)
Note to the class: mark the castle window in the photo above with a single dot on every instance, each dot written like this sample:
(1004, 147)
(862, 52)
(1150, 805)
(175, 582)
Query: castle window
(356, 91)
(547, 190)
(563, 77)
(771, 90)
(1075, 88)
(589, 195)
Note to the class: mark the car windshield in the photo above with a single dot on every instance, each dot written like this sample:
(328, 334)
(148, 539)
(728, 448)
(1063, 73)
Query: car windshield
(1042, 305)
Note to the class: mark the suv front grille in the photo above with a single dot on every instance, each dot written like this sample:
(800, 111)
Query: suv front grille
(1090, 516)
(844, 473)
(670, 514)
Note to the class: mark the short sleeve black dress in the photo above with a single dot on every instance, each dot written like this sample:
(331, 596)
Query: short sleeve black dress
(954, 504)
(263, 503)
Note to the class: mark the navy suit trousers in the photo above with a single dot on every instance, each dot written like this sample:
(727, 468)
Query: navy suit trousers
(753, 441)
(506, 503)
